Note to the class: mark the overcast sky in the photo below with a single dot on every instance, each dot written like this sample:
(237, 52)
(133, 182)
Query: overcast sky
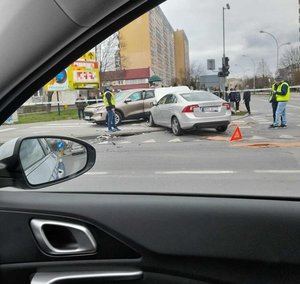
(202, 22)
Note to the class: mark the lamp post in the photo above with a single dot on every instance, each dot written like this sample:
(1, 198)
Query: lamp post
(223, 58)
(254, 72)
(277, 46)
(224, 8)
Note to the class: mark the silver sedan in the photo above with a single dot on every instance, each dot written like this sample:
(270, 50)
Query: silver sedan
(192, 110)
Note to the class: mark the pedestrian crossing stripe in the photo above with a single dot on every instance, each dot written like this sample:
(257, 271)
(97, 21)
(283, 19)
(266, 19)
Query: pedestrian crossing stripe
(175, 140)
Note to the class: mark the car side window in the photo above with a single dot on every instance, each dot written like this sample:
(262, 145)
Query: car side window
(149, 95)
(162, 101)
(171, 99)
(31, 152)
(136, 96)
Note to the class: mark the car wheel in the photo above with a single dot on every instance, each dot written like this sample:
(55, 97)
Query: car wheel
(176, 128)
(151, 121)
(222, 128)
(118, 118)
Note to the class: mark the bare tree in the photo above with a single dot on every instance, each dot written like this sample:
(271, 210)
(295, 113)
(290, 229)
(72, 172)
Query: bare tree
(109, 56)
(196, 70)
(263, 75)
(290, 61)
(106, 51)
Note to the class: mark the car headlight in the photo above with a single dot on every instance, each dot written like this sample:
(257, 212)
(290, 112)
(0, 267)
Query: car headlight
(100, 108)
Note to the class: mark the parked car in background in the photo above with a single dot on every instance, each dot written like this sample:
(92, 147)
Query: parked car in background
(191, 110)
(130, 104)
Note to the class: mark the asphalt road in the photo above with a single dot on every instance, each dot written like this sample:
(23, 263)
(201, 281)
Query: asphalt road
(264, 162)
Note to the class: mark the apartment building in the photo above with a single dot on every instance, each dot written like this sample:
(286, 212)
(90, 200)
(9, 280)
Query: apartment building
(182, 61)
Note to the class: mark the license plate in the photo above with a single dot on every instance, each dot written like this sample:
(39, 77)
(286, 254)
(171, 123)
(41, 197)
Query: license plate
(87, 117)
(210, 109)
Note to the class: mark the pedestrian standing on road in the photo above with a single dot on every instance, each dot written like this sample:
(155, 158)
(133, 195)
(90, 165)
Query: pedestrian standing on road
(80, 104)
(273, 101)
(110, 104)
(283, 95)
(247, 98)
(237, 99)
(232, 98)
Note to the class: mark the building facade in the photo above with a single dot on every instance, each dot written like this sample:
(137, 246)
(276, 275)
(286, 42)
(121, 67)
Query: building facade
(149, 42)
(182, 61)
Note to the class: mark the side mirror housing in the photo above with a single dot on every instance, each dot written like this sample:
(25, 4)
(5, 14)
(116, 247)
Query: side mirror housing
(127, 100)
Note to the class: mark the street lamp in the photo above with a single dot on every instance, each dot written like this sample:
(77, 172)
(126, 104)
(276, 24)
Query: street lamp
(224, 8)
(223, 82)
(253, 62)
(277, 46)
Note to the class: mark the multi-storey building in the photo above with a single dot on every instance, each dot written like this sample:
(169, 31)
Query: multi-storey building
(182, 62)
(149, 42)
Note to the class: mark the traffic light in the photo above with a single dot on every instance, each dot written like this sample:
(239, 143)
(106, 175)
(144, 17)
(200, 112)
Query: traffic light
(221, 74)
(225, 66)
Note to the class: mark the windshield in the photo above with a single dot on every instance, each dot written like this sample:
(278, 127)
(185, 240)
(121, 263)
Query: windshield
(241, 62)
(121, 96)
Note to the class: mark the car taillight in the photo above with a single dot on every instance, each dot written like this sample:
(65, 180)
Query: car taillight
(227, 105)
(190, 108)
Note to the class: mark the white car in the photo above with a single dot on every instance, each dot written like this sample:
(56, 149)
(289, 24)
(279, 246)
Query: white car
(191, 110)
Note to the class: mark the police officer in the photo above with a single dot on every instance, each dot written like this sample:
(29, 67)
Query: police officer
(283, 95)
(110, 104)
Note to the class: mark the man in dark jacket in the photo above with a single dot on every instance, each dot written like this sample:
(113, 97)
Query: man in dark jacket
(237, 99)
(247, 98)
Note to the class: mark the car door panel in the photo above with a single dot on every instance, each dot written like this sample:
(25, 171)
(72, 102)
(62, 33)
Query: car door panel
(191, 238)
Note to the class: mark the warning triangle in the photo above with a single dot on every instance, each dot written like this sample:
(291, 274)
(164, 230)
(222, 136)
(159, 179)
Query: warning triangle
(237, 135)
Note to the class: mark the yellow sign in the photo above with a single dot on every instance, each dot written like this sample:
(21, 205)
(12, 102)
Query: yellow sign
(89, 56)
(84, 74)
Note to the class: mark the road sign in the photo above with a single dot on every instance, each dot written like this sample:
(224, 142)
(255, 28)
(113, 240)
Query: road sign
(211, 64)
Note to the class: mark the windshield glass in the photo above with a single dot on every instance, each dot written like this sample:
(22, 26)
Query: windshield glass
(248, 143)
(121, 96)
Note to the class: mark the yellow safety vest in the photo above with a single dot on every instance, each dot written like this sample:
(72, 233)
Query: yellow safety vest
(113, 102)
(287, 96)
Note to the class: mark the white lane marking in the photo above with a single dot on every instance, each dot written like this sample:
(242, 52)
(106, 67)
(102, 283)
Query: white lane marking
(96, 173)
(194, 172)
(104, 142)
(125, 142)
(175, 140)
(197, 140)
(286, 137)
(277, 171)
(7, 129)
(54, 126)
(265, 122)
(239, 121)
(149, 141)
(257, 138)
(293, 106)
(245, 126)
(67, 124)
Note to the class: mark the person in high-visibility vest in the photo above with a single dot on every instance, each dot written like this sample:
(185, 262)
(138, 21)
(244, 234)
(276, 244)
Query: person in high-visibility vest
(110, 104)
(283, 94)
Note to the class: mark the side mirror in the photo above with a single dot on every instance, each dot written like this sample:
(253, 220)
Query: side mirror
(155, 103)
(127, 100)
(40, 161)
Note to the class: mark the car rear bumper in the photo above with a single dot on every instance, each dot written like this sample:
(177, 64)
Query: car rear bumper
(207, 122)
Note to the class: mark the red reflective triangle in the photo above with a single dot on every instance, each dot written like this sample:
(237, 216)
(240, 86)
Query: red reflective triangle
(237, 135)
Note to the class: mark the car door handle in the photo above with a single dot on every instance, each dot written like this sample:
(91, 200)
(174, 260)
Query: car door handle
(63, 238)
(108, 275)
